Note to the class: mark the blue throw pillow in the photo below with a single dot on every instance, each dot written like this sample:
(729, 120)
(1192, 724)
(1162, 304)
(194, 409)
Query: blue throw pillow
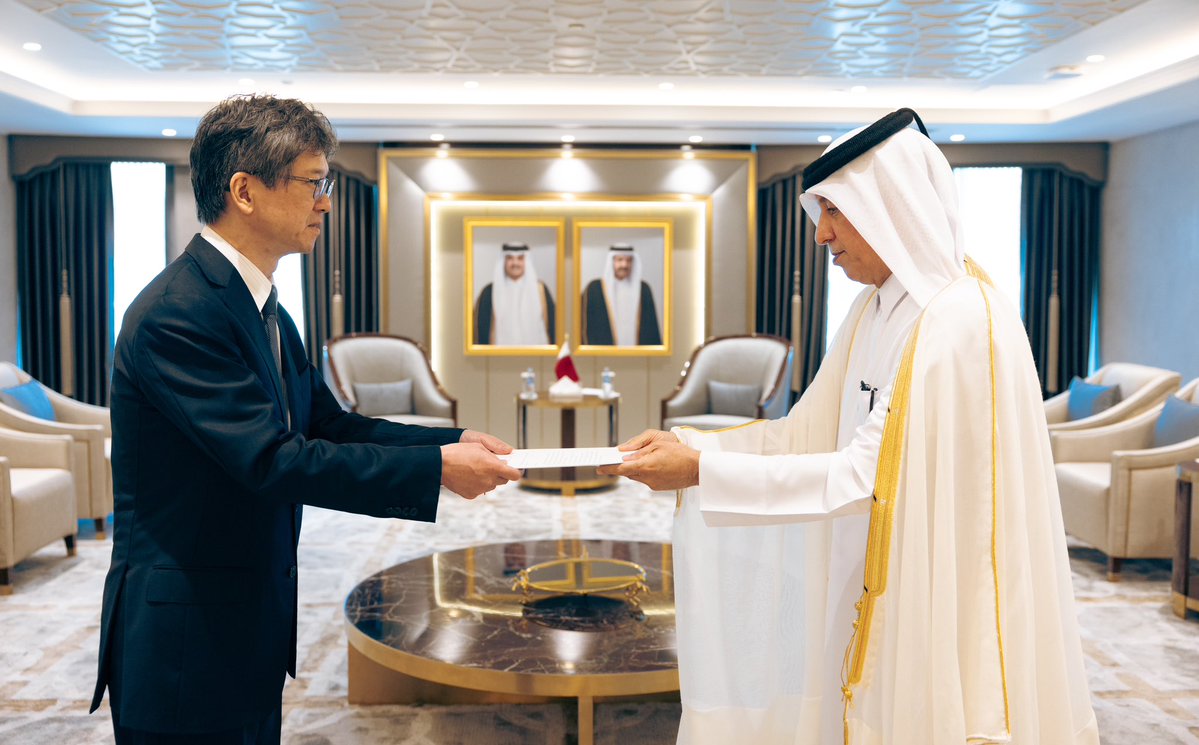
(733, 399)
(29, 398)
(1086, 399)
(1179, 421)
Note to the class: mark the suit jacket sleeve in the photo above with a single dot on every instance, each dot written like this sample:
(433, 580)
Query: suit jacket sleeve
(193, 361)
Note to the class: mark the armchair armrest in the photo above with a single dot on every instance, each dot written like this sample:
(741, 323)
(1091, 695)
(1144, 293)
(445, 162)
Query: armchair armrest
(23, 422)
(1056, 407)
(70, 411)
(1097, 445)
(1168, 456)
(688, 398)
(27, 450)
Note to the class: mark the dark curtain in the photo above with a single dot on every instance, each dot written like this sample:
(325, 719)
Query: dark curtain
(349, 242)
(786, 236)
(64, 222)
(1060, 233)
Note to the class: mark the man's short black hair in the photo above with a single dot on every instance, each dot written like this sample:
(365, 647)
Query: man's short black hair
(259, 135)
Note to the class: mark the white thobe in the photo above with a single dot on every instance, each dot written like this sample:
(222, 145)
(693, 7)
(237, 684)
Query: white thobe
(743, 489)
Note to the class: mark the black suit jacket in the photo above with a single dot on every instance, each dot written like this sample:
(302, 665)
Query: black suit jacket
(199, 617)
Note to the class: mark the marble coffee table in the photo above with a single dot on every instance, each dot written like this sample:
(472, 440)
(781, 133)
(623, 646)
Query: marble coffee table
(449, 628)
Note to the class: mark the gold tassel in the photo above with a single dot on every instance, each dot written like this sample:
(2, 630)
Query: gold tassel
(338, 308)
(796, 336)
(1055, 335)
(66, 340)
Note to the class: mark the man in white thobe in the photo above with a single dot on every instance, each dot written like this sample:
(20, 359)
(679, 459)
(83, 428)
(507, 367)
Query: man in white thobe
(515, 308)
(886, 564)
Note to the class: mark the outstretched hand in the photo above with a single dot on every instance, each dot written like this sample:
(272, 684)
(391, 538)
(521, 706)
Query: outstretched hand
(491, 442)
(662, 464)
(650, 435)
(469, 468)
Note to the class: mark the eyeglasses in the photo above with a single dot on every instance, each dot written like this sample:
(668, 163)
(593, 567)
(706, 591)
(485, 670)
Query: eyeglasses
(321, 187)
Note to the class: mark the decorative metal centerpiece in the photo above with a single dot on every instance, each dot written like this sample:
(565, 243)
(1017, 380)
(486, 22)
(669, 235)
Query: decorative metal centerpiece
(583, 575)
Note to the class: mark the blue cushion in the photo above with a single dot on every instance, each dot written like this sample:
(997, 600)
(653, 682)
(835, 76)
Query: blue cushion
(29, 398)
(733, 399)
(1179, 421)
(1087, 400)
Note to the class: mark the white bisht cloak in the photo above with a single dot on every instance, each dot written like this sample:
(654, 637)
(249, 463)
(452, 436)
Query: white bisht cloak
(972, 636)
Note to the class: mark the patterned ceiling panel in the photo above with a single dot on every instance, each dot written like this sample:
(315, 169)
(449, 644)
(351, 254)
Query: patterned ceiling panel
(962, 39)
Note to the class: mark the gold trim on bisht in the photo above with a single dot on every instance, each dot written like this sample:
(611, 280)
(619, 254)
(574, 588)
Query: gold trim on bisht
(882, 512)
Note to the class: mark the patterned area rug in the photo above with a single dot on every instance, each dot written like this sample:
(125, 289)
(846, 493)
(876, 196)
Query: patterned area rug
(1142, 661)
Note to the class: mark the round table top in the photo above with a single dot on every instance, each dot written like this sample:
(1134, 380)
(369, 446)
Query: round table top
(454, 618)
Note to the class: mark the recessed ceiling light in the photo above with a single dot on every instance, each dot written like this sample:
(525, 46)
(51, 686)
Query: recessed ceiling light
(246, 82)
(568, 138)
(858, 89)
(31, 46)
(1095, 58)
(824, 138)
(437, 137)
(957, 138)
(471, 84)
(695, 139)
(168, 132)
(665, 86)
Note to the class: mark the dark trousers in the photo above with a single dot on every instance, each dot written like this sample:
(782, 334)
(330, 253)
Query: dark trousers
(265, 731)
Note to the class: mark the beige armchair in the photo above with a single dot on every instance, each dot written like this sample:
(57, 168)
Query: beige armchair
(90, 430)
(37, 497)
(1141, 388)
(1117, 491)
(373, 359)
(755, 373)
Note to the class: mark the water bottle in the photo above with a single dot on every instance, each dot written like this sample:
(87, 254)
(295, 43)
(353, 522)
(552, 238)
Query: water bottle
(528, 384)
(606, 378)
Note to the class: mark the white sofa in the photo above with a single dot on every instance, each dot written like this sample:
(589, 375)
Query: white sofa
(757, 360)
(1141, 387)
(90, 429)
(37, 497)
(381, 358)
(1117, 491)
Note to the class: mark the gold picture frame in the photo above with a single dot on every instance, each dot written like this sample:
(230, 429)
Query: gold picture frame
(596, 324)
(484, 239)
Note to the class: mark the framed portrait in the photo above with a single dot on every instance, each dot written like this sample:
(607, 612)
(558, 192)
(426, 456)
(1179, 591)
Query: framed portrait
(515, 282)
(622, 286)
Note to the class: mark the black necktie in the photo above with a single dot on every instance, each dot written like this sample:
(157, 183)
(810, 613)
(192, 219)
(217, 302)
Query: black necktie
(270, 317)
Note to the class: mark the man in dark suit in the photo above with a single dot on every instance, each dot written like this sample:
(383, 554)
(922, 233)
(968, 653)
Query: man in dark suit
(222, 429)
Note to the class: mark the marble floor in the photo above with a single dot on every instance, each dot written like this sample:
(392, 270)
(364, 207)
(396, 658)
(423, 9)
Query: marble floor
(1142, 661)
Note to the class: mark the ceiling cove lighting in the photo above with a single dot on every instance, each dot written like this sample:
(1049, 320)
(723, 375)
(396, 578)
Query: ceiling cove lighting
(31, 46)
(168, 132)
(695, 139)
(957, 138)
